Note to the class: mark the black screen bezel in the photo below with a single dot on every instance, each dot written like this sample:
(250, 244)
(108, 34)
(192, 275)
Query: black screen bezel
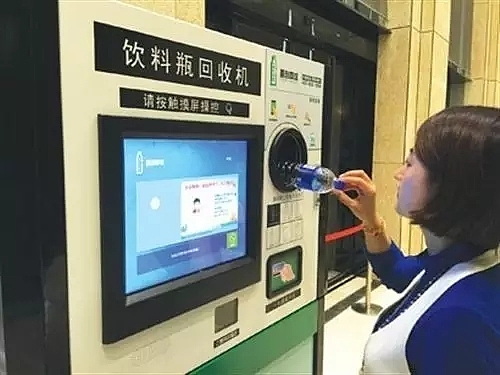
(123, 316)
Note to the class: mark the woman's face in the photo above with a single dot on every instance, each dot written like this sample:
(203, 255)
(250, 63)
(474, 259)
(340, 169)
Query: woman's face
(412, 186)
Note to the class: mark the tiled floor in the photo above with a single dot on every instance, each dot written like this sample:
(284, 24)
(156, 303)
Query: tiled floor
(346, 334)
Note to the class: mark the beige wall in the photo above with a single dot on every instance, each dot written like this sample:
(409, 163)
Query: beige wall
(411, 85)
(192, 11)
(485, 60)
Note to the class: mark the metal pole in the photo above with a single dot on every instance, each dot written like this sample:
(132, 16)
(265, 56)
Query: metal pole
(369, 281)
(367, 307)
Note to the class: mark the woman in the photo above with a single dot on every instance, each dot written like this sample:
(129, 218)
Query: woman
(448, 320)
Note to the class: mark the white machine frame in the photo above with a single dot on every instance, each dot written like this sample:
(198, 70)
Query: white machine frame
(185, 342)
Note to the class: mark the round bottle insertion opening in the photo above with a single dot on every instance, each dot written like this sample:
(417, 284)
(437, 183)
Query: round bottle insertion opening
(288, 147)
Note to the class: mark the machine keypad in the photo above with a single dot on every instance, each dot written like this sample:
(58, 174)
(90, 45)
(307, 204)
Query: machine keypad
(284, 223)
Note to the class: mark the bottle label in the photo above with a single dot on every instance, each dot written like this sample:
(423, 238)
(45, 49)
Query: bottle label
(306, 175)
(309, 166)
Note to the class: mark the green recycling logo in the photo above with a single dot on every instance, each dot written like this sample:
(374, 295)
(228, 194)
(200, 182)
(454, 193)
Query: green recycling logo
(274, 71)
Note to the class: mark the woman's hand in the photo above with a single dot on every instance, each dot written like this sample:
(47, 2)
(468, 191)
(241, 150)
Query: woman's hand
(363, 206)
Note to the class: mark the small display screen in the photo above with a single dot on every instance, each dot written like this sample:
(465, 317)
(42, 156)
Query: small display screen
(185, 207)
(284, 271)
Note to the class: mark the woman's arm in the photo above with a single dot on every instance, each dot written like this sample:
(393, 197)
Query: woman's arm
(395, 270)
(376, 238)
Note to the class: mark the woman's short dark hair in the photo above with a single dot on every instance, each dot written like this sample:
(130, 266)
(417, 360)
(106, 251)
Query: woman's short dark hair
(460, 148)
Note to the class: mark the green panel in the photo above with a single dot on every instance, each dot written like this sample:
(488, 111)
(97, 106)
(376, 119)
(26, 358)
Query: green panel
(298, 361)
(252, 355)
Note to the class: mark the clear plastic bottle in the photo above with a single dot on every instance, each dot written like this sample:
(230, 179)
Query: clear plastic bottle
(314, 178)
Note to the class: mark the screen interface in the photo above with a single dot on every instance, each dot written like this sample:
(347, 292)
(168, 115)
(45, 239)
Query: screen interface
(185, 207)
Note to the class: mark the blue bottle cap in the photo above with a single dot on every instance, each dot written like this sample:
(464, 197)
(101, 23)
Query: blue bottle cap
(338, 184)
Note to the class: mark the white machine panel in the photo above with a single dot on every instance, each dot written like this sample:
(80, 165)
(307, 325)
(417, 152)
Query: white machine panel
(183, 343)
(295, 96)
(294, 104)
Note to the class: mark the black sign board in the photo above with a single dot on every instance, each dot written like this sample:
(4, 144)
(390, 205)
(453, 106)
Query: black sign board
(130, 53)
(161, 101)
(311, 81)
(283, 300)
(231, 335)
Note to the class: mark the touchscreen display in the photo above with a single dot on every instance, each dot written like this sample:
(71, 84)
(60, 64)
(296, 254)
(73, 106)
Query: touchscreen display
(185, 207)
